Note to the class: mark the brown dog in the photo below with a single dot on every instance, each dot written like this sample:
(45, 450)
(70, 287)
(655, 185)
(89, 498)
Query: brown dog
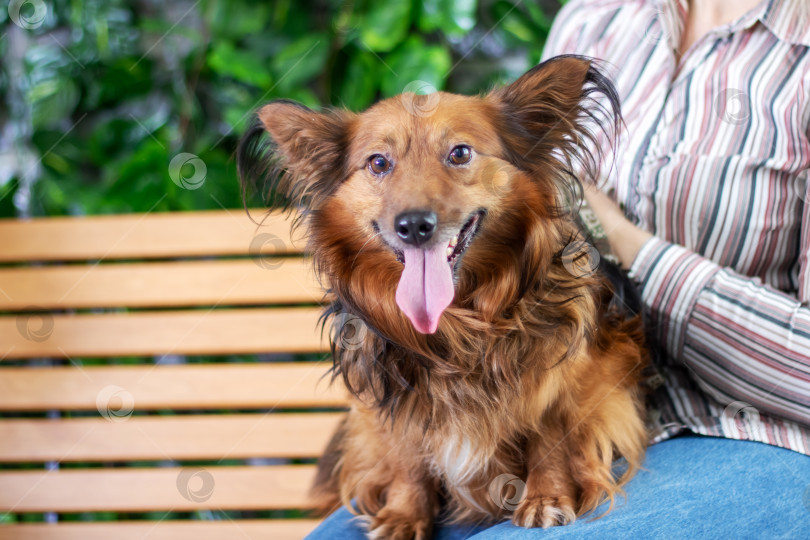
(480, 350)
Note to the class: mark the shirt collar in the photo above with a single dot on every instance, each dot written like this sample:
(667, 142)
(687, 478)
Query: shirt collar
(788, 20)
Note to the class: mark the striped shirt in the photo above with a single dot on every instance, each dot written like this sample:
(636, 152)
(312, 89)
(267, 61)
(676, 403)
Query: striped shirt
(714, 162)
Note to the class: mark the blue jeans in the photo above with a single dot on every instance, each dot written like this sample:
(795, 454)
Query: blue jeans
(691, 487)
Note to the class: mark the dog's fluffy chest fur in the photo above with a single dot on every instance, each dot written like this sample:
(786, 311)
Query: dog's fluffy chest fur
(458, 458)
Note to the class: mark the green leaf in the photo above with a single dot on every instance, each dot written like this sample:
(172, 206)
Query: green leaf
(453, 17)
(300, 61)
(385, 25)
(52, 101)
(237, 18)
(236, 118)
(304, 96)
(139, 181)
(161, 27)
(415, 62)
(541, 20)
(360, 81)
(244, 66)
(64, 149)
(109, 138)
(111, 83)
(7, 192)
(536, 53)
(515, 23)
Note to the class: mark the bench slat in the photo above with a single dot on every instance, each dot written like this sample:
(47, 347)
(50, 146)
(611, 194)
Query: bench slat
(185, 437)
(160, 284)
(158, 235)
(145, 387)
(203, 331)
(149, 489)
(240, 529)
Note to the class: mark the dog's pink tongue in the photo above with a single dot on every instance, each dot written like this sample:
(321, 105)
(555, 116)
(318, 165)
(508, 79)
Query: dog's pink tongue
(426, 287)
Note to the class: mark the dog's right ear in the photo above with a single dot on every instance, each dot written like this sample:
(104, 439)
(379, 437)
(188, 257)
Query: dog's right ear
(304, 159)
(559, 115)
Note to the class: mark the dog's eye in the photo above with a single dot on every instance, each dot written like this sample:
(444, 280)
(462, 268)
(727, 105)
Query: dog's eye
(460, 155)
(378, 164)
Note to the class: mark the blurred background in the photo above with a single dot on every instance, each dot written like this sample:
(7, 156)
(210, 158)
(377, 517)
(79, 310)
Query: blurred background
(99, 97)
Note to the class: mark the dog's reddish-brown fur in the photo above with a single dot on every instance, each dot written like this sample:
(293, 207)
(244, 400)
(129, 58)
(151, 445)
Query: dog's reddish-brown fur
(531, 373)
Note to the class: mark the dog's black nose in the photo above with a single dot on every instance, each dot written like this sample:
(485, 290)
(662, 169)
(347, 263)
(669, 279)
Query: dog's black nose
(415, 227)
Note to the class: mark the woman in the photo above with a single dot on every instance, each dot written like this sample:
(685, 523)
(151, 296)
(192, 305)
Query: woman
(712, 172)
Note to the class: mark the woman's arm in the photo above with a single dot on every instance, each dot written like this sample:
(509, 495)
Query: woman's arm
(743, 340)
(625, 239)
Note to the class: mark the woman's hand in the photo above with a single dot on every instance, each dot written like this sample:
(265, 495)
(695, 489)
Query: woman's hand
(625, 238)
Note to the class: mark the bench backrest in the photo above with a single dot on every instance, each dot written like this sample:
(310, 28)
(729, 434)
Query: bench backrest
(107, 409)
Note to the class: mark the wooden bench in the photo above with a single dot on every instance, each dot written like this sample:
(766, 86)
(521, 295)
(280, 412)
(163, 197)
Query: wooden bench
(112, 426)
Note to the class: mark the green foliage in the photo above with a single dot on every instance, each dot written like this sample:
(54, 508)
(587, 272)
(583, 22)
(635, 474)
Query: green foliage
(455, 18)
(102, 95)
(385, 24)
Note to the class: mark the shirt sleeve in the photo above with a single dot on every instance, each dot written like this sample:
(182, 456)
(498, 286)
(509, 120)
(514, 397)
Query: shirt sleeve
(742, 340)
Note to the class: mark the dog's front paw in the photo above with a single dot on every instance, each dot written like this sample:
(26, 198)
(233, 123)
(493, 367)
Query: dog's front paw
(389, 525)
(544, 512)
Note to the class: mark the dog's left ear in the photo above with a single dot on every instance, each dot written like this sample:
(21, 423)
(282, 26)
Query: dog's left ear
(555, 111)
(305, 158)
